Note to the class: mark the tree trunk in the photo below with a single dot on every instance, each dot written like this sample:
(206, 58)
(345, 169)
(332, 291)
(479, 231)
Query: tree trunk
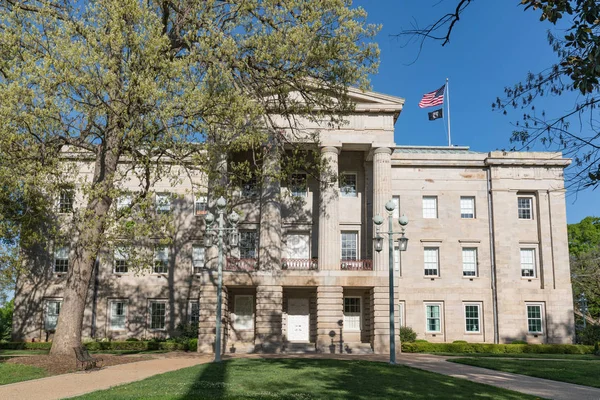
(85, 246)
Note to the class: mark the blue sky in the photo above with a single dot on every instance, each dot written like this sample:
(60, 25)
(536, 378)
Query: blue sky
(494, 45)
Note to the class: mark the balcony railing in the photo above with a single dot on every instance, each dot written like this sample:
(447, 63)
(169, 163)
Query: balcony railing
(357, 265)
(300, 263)
(240, 264)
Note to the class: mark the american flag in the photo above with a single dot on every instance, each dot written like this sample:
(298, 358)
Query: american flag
(434, 98)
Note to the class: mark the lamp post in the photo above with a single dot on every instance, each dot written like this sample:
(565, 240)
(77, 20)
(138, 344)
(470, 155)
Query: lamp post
(219, 230)
(583, 307)
(402, 245)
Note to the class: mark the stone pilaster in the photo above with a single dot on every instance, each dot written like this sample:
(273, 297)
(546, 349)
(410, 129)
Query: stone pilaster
(382, 193)
(381, 321)
(270, 214)
(269, 309)
(215, 183)
(330, 318)
(207, 318)
(329, 230)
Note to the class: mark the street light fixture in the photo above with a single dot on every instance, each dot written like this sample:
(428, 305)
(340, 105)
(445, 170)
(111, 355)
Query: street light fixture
(402, 245)
(219, 230)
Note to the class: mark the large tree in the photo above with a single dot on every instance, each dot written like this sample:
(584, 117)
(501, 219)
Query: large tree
(159, 82)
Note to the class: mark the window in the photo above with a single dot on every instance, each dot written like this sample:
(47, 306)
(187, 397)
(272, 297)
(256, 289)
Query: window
(161, 260)
(201, 205)
(534, 318)
(163, 203)
(528, 263)
(349, 245)
(401, 314)
(524, 207)
(434, 318)
(298, 185)
(396, 201)
(472, 313)
(197, 258)
(65, 201)
(194, 312)
(118, 315)
(348, 184)
(121, 257)
(61, 259)
(124, 202)
(248, 241)
(298, 245)
(352, 313)
(244, 312)
(430, 207)
(467, 207)
(52, 311)
(158, 315)
(250, 187)
(430, 256)
(469, 257)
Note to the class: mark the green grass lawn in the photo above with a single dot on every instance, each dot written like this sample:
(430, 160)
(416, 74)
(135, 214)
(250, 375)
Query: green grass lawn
(590, 357)
(11, 373)
(302, 379)
(580, 372)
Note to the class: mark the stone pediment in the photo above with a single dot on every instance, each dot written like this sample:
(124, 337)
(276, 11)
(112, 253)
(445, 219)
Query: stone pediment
(367, 101)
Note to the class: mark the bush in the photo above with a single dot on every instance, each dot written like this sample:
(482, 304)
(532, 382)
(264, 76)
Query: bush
(518, 342)
(597, 349)
(193, 345)
(460, 341)
(25, 346)
(421, 347)
(132, 339)
(407, 335)
(589, 335)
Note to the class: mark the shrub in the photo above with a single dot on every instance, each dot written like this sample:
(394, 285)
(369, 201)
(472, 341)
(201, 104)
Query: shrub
(597, 349)
(420, 347)
(421, 341)
(25, 346)
(460, 341)
(518, 342)
(407, 335)
(589, 335)
(193, 345)
(132, 339)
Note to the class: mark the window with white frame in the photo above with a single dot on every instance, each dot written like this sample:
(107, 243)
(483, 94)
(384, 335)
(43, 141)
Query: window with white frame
(433, 315)
(201, 205)
(431, 261)
(525, 205)
(396, 201)
(430, 207)
(528, 263)
(65, 201)
(158, 315)
(349, 245)
(247, 245)
(52, 311)
(250, 187)
(244, 312)
(298, 245)
(348, 184)
(118, 315)
(121, 260)
(352, 313)
(401, 308)
(535, 318)
(467, 207)
(161, 260)
(472, 318)
(197, 258)
(163, 203)
(298, 185)
(61, 259)
(124, 202)
(194, 312)
(397, 258)
(469, 260)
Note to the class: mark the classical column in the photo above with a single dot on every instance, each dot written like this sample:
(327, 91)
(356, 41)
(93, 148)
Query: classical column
(382, 193)
(269, 311)
(329, 230)
(330, 318)
(270, 213)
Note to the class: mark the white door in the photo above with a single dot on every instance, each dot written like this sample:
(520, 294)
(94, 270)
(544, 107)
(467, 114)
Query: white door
(298, 245)
(298, 317)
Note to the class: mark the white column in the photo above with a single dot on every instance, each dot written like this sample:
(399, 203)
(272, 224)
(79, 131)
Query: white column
(270, 214)
(329, 231)
(382, 193)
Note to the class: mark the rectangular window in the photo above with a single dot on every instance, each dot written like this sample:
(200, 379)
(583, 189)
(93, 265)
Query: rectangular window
(201, 205)
(298, 246)
(348, 184)
(163, 203)
(124, 202)
(244, 312)
(118, 315)
(434, 318)
(197, 258)
(469, 259)
(396, 201)
(65, 201)
(349, 242)
(534, 318)
(61, 259)
(524, 207)
(121, 257)
(298, 185)
(430, 207)
(430, 257)
(528, 263)
(194, 312)
(250, 187)
(52, 311)
(401, 314)
(248, 241)
(472, 313)
(158, 315)
(161, 260)
(467, 207)
(352, 314)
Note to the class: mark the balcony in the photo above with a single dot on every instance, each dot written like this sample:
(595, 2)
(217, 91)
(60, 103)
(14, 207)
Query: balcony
(356, 265)
(301, 264)
(241, 264)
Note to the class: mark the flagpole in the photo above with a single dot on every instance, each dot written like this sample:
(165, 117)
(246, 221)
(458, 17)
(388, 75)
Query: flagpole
(448, 105)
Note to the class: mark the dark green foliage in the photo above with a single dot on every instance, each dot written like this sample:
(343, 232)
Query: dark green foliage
(25, 346)
(590, 335)
(128, 345)
(460, 341)
(407, 335)
(518, 342)
(421, 347)
(6, 313)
